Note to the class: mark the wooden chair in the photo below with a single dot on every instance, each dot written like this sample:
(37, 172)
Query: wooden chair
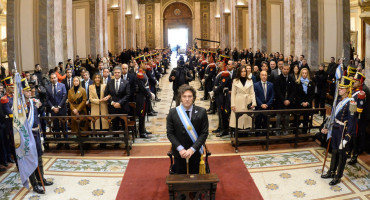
(131, 123)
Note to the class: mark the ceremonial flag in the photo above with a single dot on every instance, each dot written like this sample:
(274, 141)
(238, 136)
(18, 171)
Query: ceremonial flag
(25, 146)
(338, 76)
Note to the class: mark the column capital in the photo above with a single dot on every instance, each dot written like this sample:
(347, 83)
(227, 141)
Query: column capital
(365, 10)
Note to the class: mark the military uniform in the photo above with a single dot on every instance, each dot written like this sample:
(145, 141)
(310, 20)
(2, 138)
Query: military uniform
(209, 78)
(34, 122)
(142, 95)
(359, 97)
(7, 104)
(221, 90)
(344, 128)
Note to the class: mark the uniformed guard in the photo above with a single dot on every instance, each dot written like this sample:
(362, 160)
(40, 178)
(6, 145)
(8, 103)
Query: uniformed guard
(34, 122)
(142, 95)
(344, 128)
(209, 78)
(7, 104)
(221, 90)
(359, 97)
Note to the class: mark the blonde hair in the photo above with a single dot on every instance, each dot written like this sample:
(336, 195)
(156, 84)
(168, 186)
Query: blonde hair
(300, 75)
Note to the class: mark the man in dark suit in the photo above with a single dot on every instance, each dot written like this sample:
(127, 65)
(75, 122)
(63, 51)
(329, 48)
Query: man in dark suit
(117, 93)
(56, 98)
(68, 82)
(106, 76)
(130, 77)
(265, 95)
(183, 145)
(284, 94)
(85, 84)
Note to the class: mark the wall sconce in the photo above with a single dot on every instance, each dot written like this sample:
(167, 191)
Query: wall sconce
(226, 11)
(115, 6)
(217, 16)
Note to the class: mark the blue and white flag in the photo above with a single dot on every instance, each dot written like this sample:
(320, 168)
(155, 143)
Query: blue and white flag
(339, 72)
(25, 146)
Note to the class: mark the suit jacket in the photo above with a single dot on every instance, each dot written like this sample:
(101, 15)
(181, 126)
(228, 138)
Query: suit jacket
(109, 78)
(59, 99)
(284, 90)
(260, 95)
(86, 89)
(66, 83)
(301, 96)
(177, 134)
(131, 80)
(274, 74)
(122, 97)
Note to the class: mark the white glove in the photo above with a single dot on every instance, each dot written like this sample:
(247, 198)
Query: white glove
(152, 96)
(344, 142)
(203, 81)
(157, 83)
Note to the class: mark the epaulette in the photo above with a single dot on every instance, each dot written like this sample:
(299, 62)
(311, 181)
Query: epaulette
(225, 74)
(4, 100)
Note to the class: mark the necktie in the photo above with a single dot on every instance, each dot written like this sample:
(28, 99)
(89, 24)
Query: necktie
(188, 113)
(55, 90)
(117, 86)
(264, 90)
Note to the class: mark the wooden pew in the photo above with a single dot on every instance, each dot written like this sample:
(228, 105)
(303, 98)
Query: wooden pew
(296, 117)
(79, 136)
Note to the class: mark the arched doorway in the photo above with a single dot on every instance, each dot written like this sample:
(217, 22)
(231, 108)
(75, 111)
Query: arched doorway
(177, 15)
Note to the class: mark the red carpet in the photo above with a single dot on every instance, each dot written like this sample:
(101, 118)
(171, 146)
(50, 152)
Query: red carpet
(146, 179)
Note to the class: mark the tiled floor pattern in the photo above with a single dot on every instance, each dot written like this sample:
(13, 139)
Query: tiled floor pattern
(283, 174)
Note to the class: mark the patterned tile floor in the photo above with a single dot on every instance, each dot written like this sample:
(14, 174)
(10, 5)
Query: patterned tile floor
(283, 174)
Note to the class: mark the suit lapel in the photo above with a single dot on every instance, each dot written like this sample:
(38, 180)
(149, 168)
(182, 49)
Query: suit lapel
(194, 114)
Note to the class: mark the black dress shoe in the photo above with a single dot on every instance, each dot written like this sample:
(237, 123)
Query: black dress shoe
(203, 99)
(157, 100)
(222, 134)
(216, 130)
(144, 135)
(200, 89)
(329, 174)
(48, 183)
(153, 111)
(211, 112)
(11, 160)
(5, 164)
(335, 181)
(2, 169)
(148, 133)
(38, 189)
(353, 161)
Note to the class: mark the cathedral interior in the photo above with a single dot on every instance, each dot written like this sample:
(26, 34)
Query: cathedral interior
(47, 32)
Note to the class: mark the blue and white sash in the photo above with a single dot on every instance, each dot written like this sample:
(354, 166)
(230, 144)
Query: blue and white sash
(341, 104)
(356, 93)
(188, 125)
(31, 118)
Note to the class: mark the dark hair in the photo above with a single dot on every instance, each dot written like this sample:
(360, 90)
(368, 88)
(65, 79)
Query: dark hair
(37, 65)
(69, 69)
(69, 60)
(97, 74)
(26, 72)
(60, 63)
(183, 88)
(239, 72)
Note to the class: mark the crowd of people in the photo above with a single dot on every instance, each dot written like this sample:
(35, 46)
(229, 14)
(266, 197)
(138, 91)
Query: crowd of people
(100, 86)
(231, 80)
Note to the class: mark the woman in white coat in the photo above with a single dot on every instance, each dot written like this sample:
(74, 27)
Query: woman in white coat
(242, 98)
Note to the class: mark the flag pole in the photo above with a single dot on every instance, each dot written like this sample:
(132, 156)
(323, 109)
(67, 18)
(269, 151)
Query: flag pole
(41, 179)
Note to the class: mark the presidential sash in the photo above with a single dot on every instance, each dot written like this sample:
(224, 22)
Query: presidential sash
(341, 104)
(188, 125)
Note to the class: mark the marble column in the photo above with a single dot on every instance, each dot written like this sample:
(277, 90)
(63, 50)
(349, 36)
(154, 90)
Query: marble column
(10, 31)
(197, 25)
(313, 40)
(142, 26)
(213, 30)
(67, 29)
(251, 24)
(157, 24)
(259, 24)
(116, 30)
(289, 27)
(301, 27)
(105, 28)
(222, 25)
(367, 55)
(58, 34)
(93, 27)
(129, 30)
(346, 30)
(233, 25)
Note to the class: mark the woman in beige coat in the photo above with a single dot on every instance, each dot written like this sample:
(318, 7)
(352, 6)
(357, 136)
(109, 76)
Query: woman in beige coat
(242, 97)
(77, 104)
(98, 102)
